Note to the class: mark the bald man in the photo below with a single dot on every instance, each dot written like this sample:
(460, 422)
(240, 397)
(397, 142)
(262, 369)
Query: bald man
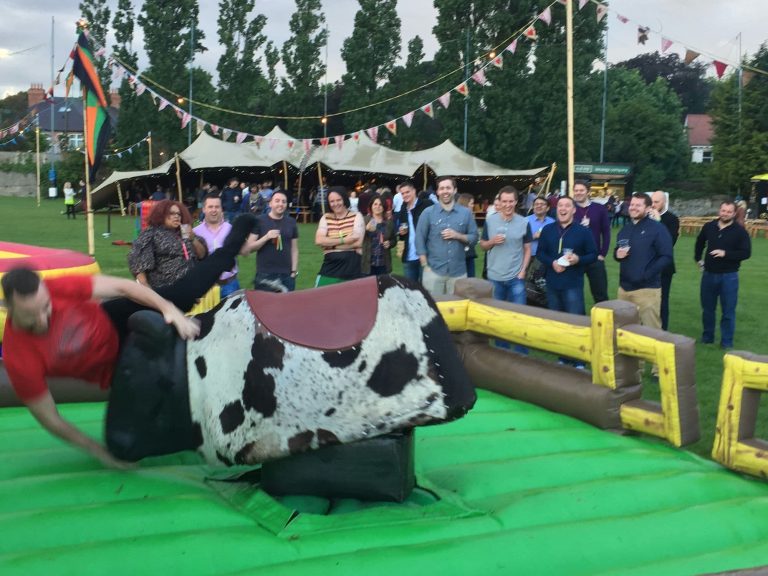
(660, 212)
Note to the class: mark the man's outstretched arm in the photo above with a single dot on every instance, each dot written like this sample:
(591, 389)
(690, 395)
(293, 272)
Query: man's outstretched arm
(43, 408)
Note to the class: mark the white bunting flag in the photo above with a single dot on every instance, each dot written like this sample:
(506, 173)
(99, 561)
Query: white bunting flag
(602, 10)
(339, 141)
(546, 16)
(373, 133)
(512, 46)
(408, 118)
(445, 100)
(241, 136)
(479, 77)
(225, 134)
(185, 118)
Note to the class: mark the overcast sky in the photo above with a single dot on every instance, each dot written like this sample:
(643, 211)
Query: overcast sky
(709, 26)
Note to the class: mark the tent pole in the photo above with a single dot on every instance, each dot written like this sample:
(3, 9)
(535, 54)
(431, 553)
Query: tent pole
(285, 175)
(178, 176)
(149, 139)
(319, 184)
(424, 187)
(120, 199)
(88, 209)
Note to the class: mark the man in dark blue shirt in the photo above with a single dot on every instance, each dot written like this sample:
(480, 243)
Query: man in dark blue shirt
(727, 245)
(644, 250)
(231, 198)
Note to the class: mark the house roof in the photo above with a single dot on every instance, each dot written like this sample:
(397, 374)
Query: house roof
(67, 114)
(700, 130)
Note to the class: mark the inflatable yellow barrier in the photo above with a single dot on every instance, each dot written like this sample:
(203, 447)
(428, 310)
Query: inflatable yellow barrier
(611, 340)
(745, 378)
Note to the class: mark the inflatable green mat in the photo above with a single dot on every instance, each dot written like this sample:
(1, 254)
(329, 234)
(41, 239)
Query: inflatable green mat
(510, 489)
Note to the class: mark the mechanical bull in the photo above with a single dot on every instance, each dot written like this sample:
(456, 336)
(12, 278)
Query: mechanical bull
(277, 374)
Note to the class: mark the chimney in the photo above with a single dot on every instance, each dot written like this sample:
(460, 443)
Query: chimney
(114, 98)
(35, 95)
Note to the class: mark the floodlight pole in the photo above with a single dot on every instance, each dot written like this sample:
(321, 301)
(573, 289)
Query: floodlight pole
(466, 98)
(191, 62)
(569, 90)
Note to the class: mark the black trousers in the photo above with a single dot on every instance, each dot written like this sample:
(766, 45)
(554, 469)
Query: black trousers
(598, 280)
(666, 285)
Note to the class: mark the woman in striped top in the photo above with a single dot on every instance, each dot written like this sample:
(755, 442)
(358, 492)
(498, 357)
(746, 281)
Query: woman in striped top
(340, 234)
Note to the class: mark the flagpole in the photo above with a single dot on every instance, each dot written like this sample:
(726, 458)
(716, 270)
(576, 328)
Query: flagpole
(178, 176)
(569, 90)
(88, 210)
(37, 155)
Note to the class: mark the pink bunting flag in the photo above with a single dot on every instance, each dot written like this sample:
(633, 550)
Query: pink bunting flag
(179, 112)
(582, 3)
(498, 62)
(214, 129)
(241, 136)
(185, 118)
(140, 88)
(479, 77)
(530, 33)
(462, 89)
(665, 44)
(622, 19)
(428, 110)
(546, 16)
(225, 134)
(445, 100)
(324, 142)
(601, 11)
(356, 136)
(512, 46)
(408, 118)
(100, 52)
(392, 127)
(339, 141)
(15, 128)
(373, 133)
(307, 144)
(720, 68)
(258, 140)
(272, 143)
(163, 103)
(290, 144)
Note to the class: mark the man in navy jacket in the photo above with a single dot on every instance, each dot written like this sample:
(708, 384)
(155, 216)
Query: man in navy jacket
(644, 250)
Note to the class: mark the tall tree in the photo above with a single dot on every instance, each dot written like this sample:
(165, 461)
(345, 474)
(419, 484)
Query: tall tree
(370, 54)
(242, 85)
(304, 68)
(171, 32)
(98, 13)
(740, 144)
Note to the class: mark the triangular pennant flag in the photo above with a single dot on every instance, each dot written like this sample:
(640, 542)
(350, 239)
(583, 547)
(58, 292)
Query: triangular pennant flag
(290, 144)
(68, 83)
(462, 89)
(140, 89)
(214, 129)
(622, 19)
(746, 77)
(163, 103)
(642, 34)
(408, 118)
(720, 68)
(479, 77)
(14, 128)
(665, 44)
(563, 2)
(392, 126)
(225, 133)
(582, 3)
(546, 16)
(690, 56)
(117, 73)
(512, 46)
(601, 11)
(324, 141)
(307, 144)
(272, 143)
(258, 140)
(428, 110)
(339, 141)
(356, 136)
(119, 154)
(241, 136)
(200, 125)
(100, 52)
(445, 100)
(131, 79)
(498, 61)
(185, 118)
(373, 133)
(530, 33)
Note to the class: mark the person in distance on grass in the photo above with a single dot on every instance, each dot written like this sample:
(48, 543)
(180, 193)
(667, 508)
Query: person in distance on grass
(73, 327)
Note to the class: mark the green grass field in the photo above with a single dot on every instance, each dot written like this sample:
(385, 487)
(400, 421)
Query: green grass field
(23, 222)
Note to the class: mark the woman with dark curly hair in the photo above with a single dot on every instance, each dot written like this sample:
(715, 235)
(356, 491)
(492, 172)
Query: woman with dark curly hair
(167, 249)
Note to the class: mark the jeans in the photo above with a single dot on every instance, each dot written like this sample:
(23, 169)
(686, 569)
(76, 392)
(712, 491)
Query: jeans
(598, 280)
(412, 270)
(726, 287)
(510, 291)
(570, 300)
(284, 279)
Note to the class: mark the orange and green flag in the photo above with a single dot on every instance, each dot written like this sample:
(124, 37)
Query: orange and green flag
(97, 125)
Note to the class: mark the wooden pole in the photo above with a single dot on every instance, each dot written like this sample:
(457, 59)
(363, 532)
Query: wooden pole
(120, 199)
(319, 184)
(424, 187)
(88, 208)
(178, 176)
(149, 139)
(37, 156)
(550, 176)
(285, 176)
(569, 90)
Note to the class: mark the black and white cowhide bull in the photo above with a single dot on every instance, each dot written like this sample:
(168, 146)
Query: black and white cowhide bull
(276, 374)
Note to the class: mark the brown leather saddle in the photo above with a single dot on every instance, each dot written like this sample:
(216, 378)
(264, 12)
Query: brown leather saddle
(328, 318)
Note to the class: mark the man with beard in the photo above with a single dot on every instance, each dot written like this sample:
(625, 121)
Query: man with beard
(214, 230)
(727, 244)
(277, 259)
(407, 221)
(596, 219)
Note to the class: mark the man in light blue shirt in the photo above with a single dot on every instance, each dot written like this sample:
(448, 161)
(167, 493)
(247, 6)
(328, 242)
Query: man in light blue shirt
(443, 232)
(537, 221)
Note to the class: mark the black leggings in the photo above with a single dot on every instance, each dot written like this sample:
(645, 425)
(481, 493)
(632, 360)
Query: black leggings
(185, 292)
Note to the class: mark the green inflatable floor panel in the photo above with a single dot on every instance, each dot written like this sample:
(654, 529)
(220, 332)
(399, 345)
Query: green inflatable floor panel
(510, 489)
